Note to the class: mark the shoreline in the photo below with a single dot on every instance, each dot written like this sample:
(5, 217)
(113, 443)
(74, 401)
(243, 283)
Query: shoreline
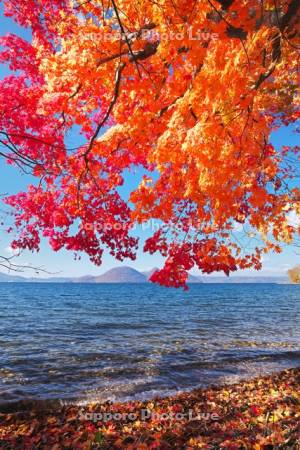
(49, 404)
(254, 413)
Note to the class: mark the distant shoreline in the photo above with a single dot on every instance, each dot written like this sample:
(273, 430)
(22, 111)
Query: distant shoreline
(91, 283)
(121, 275)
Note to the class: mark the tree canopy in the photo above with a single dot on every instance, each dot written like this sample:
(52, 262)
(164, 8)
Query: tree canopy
(189, 91)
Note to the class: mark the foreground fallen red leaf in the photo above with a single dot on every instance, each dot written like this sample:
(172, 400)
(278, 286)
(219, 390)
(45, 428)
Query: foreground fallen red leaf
(263, 413)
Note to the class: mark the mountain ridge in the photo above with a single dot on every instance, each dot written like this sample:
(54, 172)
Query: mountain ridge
(125, 274)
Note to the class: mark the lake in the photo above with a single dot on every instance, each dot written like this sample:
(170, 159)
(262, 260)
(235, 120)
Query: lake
(87, 342)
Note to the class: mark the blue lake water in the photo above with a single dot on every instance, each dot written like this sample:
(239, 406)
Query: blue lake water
(85, 342)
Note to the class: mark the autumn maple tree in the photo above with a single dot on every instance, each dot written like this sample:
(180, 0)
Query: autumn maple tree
(188, 91)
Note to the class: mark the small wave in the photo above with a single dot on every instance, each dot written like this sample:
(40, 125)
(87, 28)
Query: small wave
(119, 326)
(259, 344)
(233, 360)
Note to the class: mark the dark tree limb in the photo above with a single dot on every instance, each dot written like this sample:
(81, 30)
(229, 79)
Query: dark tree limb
(125, 35)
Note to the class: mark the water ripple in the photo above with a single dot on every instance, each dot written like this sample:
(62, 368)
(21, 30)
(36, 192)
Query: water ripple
(117, 341)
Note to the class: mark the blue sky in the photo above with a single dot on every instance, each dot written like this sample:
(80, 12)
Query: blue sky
(63, 263)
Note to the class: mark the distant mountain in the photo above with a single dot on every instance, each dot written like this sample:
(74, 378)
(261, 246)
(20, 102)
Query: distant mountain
(5, 278)
(50, 280)
(121, 275)
(84, 279)
(149, 273)
(246, 279)
(194, 279)
(129, 275)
